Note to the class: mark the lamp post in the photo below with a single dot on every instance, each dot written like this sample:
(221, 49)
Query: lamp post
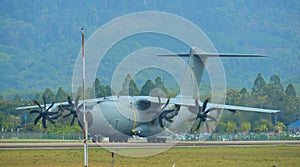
(85, 129)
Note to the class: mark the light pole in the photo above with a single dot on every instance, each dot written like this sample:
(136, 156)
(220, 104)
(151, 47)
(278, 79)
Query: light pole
(85, 129)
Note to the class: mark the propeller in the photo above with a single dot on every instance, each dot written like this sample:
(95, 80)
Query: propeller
(168, 115)
(163, 113)
(74, 109)
(45, 113)
(202, 114)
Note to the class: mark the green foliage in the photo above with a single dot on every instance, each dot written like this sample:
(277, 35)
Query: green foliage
(290, 91)
(48, 95)
(61, 95)
(266, 95)
(99, 89)
(147, 87)
(259, 85)
(125, 85)
(133, 89)
(39, 40)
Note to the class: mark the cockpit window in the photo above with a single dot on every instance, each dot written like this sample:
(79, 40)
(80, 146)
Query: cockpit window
(143, 104)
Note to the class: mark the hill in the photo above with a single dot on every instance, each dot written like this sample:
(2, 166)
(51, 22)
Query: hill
(40, 40)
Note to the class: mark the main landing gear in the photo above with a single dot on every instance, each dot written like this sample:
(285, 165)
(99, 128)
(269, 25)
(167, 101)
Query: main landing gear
(156, 140)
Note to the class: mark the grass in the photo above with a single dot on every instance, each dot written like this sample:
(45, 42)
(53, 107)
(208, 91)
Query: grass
(213, 156)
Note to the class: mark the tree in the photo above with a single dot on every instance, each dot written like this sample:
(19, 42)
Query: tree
(109, 91)
(275, 81)
(263, 125)
(263, 128)
(133, 90)
(232, 97)
(245, 127)
(230, 127)
(259, 85)
(245, 97)
(37, 96)
(221, 128)
(160, 84)
(13, 122)
(258, 94)
(275, 93)
(280, 125)
(61, 95)
(125, 85)
(147, 87)
(48, 95)
(99, 89)
(290, 91)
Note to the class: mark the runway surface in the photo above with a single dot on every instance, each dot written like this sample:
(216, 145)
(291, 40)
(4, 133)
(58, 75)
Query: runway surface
(4, 146)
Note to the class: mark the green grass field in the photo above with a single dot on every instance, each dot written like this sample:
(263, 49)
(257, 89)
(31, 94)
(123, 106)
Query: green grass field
(213, 156)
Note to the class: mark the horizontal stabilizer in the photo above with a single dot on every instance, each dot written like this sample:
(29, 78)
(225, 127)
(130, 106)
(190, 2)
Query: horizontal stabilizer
(215, 55)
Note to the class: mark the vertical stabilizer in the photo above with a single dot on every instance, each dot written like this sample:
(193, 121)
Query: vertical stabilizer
(193, 74)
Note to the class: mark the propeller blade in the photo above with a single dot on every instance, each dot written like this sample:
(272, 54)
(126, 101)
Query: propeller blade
(51, 105)
(167, 103)
(198, 126)
(37, 119)
(70, 102)
(44, 123)
(60, 108)
(50, 120)
(197, 105)
(207, 111)
(52, 113)
(56, 116)
(160, 119)
(34, 111)
(77, 100)
(72, 122)
(44, 102)
(37, 103)
(210, 117)
(207, 127)
(65, 116)
(205, 104)
(79, 107)
(192, 119)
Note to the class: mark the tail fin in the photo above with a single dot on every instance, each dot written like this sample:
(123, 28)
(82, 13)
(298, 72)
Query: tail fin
(194, 73)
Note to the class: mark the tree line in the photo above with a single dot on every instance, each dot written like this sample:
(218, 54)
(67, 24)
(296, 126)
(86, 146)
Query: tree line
(271, 95)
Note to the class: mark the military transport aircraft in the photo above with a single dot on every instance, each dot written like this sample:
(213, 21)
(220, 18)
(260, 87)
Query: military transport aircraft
(120, 117)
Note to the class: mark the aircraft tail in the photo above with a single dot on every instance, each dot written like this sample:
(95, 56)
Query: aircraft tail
(194, 73)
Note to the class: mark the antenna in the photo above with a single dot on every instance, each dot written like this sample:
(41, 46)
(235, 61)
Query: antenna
(85, 129)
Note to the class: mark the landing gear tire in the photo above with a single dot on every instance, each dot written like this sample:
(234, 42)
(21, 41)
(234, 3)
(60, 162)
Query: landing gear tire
(156, 140)
(96, 139)
(118, 139)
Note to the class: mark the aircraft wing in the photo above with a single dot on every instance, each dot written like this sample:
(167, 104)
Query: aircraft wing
(240, 108)
(63, 104)
(36, 106)
(188, 102)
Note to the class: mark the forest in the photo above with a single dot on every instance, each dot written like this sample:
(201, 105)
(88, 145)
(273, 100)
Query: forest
(263, 94)
(39, 40)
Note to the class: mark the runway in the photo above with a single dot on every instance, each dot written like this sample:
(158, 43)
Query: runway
(182, 144)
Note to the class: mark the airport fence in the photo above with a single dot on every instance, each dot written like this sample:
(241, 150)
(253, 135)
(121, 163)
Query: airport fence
(186, 137)
(36, 135)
